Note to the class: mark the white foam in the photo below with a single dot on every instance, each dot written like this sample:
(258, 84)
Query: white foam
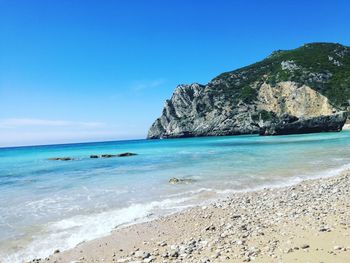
(69, 232)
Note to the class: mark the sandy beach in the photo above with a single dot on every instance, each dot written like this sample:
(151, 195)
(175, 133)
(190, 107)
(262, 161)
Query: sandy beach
(174, 131)
(307, 222)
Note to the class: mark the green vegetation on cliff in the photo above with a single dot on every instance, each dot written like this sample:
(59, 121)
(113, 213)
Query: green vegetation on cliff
(324, 67)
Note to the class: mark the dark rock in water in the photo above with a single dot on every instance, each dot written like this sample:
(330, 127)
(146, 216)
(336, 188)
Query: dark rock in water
(126, 154)
(61, 159)
(288, 124)
(108, 155)
(56, 251)
(175, 180)
(94, 156)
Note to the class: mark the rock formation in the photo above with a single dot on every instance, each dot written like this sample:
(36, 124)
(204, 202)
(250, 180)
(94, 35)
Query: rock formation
(296, 91)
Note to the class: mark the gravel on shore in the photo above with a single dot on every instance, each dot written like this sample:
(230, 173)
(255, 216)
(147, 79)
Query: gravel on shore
(307, 222)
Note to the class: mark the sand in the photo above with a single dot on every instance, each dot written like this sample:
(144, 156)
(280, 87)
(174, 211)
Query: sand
(307, 222)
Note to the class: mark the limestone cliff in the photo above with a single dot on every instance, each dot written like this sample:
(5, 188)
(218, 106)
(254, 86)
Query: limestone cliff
(297, 91)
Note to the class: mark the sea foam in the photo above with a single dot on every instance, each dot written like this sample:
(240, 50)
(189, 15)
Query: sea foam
(68, 233)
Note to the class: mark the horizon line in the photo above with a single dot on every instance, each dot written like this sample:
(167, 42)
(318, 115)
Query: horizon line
(70, 143)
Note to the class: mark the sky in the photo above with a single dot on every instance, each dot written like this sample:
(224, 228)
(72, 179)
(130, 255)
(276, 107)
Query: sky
(78, 71)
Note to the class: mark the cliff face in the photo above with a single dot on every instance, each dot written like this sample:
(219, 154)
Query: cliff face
(297, 91)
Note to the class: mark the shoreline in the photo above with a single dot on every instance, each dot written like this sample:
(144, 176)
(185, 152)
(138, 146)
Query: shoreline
(306, 221)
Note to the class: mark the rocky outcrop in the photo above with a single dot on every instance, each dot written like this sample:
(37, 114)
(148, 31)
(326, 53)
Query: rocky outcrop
(108, 155)
(196, 110)
(288, 124)
(94, 156)
(126, 154)
(286, 93)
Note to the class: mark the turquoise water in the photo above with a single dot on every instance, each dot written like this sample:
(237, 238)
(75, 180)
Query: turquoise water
(47, 205)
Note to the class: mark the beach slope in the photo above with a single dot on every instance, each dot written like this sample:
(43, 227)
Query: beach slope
(307, 222)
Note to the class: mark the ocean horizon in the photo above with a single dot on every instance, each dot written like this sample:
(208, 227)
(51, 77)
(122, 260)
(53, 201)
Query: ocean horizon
(47, 205)
(69, 143)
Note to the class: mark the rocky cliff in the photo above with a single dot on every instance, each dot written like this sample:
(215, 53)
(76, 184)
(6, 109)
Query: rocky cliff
(295, 91)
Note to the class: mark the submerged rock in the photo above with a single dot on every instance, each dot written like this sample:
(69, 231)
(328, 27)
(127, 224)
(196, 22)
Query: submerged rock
(61, 159)
(175, 180)
(108, 155)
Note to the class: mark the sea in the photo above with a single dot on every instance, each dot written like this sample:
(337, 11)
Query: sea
(47, 205)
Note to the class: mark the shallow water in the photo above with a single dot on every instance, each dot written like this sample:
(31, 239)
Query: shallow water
(47, 205)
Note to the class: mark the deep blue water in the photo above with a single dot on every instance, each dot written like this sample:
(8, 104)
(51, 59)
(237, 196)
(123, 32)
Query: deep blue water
(46, 204)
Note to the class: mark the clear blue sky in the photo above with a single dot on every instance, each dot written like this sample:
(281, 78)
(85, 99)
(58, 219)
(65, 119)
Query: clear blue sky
(101, 70)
